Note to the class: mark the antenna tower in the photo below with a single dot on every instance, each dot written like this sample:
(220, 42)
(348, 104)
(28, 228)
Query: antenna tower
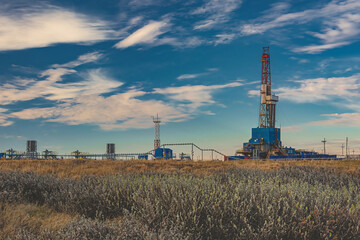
(324, 141)
(157, 122)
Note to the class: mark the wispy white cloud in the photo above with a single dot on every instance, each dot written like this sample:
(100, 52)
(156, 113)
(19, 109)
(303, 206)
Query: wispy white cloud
(196, 75)
(94, 81)
(349, 69)
(145, 35)
(123, 110)
(135, 20)
(127, 109)
(195, 95)
(216, 12)
(4, 115)
(145, 3)
(83, 101)
(318, 89)
(189, 42)
(340, 29)
(224, 38)
(150, 35)
(292, 129)
(338, 32)
(312, 49)
(341, 92)
(299, 60)
(190, 76)
(340, 20)
(83, 59)
(46, 25)
(50, 84)
(343, 119)
(338, 64)
(334, 119)
(280, 19)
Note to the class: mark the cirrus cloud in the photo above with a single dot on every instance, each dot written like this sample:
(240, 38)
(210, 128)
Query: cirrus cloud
(145, 35)
(47, 25)
(340, 23)
(336, 119)
(84, 101)
(318, 89)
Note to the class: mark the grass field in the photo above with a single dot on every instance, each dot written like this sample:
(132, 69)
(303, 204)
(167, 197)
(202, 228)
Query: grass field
(84, 199)
(78, 168)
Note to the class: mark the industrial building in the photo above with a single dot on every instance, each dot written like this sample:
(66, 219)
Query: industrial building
(31, 149)
(163, 153)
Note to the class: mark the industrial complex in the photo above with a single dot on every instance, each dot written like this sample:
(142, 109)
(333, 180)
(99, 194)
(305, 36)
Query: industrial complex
(265, 141)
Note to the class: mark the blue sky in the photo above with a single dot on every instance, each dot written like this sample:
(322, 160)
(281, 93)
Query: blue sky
(80, 74)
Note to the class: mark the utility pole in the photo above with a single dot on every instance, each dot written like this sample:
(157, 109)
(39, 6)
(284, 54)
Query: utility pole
(192, 151)
(342, 149)
(324, 141)
(346, 149)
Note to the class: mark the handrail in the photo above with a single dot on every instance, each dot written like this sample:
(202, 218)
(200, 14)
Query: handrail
(196, 146)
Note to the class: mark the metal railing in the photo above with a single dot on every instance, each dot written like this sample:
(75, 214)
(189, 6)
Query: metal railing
(192, 149)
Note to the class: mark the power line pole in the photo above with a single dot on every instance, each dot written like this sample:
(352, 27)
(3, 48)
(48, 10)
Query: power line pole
(324, 141)
(346, 150)
(342, 149)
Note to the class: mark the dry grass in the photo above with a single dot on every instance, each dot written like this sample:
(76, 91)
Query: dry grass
(78, 168)
(15, 216)
(289, 203)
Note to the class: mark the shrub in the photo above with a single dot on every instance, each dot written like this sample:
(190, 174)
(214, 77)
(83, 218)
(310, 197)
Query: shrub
(288, 203)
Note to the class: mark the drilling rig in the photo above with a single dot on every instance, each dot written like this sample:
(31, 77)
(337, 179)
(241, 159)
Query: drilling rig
(265, 140)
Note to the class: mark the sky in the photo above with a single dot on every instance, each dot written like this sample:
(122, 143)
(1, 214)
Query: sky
(80, 74)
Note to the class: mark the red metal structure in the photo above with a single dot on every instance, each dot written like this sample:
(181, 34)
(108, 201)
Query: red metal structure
(266, 74)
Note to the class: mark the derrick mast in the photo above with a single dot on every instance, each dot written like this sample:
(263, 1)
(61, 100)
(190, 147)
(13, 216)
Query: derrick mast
(265, 139)
(267, 101)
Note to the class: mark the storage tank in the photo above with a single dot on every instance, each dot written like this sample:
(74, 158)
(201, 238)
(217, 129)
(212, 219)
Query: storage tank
(110, 148)
(110, 151)
(31, 149)
(31, 146)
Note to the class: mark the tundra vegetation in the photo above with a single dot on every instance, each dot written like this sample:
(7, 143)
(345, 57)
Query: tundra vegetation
(282, 202)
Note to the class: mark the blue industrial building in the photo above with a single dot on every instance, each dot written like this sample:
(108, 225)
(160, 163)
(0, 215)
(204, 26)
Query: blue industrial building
(290, 150)
(234, 158)
(262, 142)
(304, 156)
(143, 157)
(265, 135)
(163, 153)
